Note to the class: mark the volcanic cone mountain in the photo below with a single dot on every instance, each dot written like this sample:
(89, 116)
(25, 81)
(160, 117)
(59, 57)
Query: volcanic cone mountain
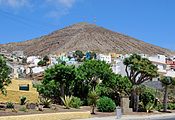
(85, 37)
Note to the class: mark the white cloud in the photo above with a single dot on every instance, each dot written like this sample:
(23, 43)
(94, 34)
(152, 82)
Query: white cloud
(15, 3)
(54, 14)
(67, 3)
(64, 3)
(59, 7)
(52, 8)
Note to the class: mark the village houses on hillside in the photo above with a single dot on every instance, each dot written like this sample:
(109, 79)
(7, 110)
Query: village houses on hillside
(25, 66)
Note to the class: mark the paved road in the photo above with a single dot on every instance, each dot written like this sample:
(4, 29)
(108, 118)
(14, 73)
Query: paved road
(168, 118)
(132, 118)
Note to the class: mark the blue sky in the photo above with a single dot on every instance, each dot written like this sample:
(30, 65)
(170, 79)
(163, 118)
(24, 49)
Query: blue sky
(152, 21)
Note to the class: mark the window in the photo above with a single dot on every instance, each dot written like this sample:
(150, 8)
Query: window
(24, 87)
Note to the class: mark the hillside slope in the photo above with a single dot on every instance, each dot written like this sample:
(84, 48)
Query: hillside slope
(85, 37)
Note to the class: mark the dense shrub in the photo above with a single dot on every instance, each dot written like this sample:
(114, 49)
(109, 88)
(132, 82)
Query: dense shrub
(158, 107)
(171, 106)
(106, 104)
(23, 100)
(24, 109)
(9, 105)
(75, 102)
(147, 97)
(92, 100)
(41, 63)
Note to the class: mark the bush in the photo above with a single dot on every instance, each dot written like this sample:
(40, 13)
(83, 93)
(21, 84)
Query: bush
(158, 107)
(75, 102)
(24, 109)
(92, 100)
(23, 100)
(171, 106)
(149, 106)
(106, 104)
(9, 105)
(41, 63)
(146, 98)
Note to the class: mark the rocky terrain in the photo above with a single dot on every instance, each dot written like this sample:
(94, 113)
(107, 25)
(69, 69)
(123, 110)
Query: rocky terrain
(85, 37)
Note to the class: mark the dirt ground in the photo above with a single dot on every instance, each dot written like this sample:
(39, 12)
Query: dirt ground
(57, 108)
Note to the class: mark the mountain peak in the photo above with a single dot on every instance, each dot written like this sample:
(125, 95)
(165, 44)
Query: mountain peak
(81, 25)
(86, 37)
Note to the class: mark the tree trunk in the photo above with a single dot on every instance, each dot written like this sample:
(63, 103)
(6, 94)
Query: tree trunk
(93, 109)
(62, 90)
(165, 99)
(62, 93)
(135, 102)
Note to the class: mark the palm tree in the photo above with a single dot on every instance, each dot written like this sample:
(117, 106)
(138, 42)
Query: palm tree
(166, 82)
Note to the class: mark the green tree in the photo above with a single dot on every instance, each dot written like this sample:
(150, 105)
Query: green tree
(4, 75)
(147, 96)
(46, 58)
(41, 63)
(118, 84)
(49, 90)
(139, 70)
(61, 77)
(166, 82)
(79, 55)
(89, 74)
(115, 87)
(93, 55)
(92, 71)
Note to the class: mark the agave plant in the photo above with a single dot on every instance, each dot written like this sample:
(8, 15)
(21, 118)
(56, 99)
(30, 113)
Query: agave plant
(46, 102)
(92, 100)
(149, 107)
(66, 101)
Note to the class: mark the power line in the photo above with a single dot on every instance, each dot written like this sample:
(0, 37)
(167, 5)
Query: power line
(25, 21)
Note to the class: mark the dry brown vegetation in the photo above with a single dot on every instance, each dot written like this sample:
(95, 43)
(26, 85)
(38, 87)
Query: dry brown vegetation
(84, 36)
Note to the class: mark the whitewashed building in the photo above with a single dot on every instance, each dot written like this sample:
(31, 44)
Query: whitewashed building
(160, 62)
(106, 58)
(33, 60)
(118, 67)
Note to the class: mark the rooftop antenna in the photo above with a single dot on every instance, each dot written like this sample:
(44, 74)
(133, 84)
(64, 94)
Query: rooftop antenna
(84, 18)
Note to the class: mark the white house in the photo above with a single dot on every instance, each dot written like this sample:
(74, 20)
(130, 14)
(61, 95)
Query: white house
(118, 67)
(53, 61)
(170, 73)
(160, 62)
(33, 60)
(38, 69)
(106, 58)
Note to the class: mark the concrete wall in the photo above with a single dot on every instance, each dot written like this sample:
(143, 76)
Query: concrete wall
(14, 94)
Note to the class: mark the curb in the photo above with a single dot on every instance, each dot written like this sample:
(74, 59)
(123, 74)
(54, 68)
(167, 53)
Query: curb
(134, 117)
(49, 116)
(158, 116)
